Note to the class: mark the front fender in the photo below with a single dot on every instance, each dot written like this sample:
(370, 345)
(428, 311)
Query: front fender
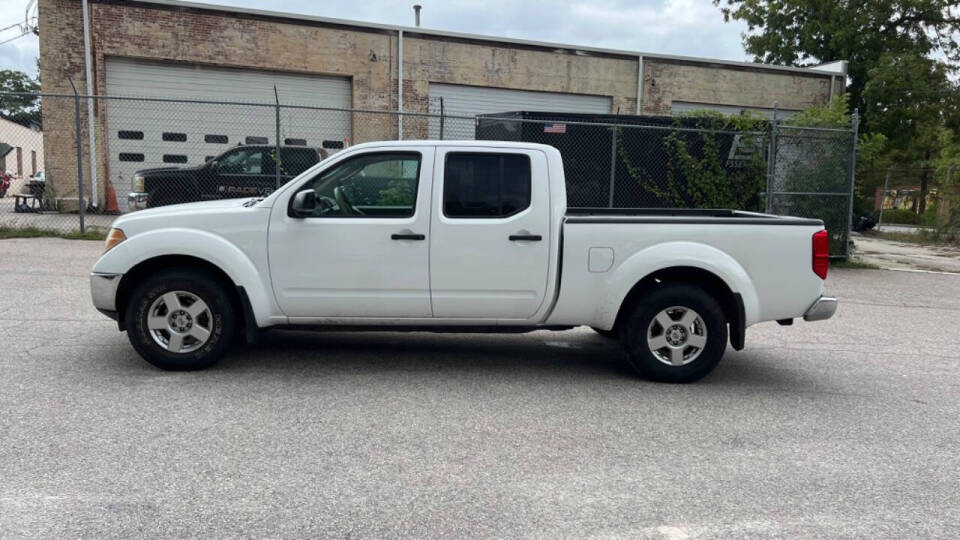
(675, 254)
(212, 248)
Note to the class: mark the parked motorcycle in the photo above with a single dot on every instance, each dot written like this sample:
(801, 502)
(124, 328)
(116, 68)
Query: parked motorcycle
(865, 223)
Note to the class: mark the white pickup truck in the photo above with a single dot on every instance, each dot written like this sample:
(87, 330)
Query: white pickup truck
(455, 236)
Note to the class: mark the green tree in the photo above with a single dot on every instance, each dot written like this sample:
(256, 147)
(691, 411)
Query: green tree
(808, 32)
(21, 109)
(911, 100)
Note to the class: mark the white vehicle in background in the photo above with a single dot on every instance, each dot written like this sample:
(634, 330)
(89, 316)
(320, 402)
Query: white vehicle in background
(455, 236)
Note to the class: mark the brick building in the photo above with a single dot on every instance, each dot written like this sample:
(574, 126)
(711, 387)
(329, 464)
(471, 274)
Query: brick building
(187, 50)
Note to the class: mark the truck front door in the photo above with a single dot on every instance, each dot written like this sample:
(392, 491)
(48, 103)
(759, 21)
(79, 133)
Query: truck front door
(490, 233)
(363, 252)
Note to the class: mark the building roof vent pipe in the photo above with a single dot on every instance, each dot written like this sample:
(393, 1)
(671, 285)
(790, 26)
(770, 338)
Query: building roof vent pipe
(416, 14)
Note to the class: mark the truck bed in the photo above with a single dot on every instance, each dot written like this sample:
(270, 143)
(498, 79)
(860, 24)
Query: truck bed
(681, 215)
(764, 258)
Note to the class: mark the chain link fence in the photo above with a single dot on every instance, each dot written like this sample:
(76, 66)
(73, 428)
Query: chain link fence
(812, 175)
(903, 197)
(151, 152)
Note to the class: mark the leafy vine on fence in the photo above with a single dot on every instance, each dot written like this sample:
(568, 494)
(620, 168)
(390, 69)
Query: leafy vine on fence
(698, 172)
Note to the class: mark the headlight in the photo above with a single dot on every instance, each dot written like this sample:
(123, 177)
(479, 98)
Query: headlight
(114, 237)
(137, 184)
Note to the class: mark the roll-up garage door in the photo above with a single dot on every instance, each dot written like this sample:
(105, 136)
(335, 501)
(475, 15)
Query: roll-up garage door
(145, 134)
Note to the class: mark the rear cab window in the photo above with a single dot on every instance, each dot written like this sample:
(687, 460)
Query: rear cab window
(485, 185)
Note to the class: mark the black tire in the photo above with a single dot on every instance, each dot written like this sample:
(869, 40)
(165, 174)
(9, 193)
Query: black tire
(638, 322)
(221, 319)
(609, 334)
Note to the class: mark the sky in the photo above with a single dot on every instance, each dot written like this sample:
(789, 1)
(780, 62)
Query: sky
(683, 27)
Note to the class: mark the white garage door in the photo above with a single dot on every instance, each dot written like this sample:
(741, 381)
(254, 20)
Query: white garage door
(472, 100)
(146, 134)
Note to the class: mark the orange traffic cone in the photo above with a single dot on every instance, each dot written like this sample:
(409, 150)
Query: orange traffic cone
(111, 195)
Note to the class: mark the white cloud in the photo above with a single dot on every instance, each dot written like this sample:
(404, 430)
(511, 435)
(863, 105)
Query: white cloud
(683, 27)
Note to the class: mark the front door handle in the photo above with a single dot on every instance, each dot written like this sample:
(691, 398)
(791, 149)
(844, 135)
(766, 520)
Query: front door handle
(408, 236)
(525, 238)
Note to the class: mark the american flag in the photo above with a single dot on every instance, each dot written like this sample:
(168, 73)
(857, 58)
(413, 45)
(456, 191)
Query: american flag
(554, 128)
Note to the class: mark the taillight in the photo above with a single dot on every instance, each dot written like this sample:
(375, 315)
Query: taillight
(821, 253)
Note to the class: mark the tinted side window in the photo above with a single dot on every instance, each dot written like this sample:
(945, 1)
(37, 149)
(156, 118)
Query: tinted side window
(294, 161)
(368, 185)
(485, 185)
(245, 161)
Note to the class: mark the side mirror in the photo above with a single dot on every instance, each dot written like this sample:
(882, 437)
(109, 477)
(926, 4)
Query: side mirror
(304, 203)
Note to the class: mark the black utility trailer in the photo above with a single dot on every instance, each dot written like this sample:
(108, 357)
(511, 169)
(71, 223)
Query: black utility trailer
(629, 161)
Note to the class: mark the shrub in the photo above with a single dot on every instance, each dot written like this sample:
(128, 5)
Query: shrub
(903, 217)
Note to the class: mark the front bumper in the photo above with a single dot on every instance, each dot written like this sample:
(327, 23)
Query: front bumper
(822, 309)
(137, 201)
(103, 290)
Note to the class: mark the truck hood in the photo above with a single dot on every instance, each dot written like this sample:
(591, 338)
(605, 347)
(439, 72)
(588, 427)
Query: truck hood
(165, 170)
(187, 214)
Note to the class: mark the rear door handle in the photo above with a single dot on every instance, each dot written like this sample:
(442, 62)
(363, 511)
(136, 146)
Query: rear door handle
(406, 236)
(525, 238)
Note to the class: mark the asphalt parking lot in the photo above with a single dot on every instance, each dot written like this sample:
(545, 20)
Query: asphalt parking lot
(849, 427)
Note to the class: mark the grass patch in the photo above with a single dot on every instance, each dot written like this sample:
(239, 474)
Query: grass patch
(855, 263)
(920, 237)
(33, 232)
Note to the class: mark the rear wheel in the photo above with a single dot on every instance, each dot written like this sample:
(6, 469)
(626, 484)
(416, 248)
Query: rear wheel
(181, 319)
(676, 333)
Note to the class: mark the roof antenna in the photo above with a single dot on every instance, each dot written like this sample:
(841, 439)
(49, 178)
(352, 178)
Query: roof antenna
(416, 14)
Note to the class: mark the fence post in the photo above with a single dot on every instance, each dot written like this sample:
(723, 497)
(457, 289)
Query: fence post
(945, 197)
(277, 161)
(883, 196)
(441, 118)
(79, 139)
(613, 163)
(772, 161)
(854, 128)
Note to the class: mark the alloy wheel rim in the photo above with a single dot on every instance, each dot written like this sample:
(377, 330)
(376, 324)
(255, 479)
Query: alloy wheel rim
(179, 322)
(677, 336)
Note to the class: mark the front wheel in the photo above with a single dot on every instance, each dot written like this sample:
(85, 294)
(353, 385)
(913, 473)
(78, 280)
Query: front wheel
(180, 320)
(676, 333)
(609, 334)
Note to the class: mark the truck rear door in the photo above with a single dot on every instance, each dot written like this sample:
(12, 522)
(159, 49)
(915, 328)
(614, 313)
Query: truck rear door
(490, 233)
(246, 171)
